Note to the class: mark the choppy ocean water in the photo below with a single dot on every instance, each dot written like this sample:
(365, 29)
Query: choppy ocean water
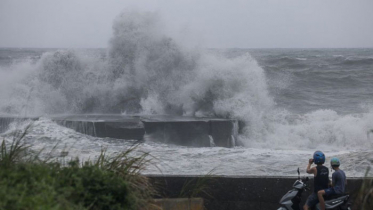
(293, 101)
(323, 100)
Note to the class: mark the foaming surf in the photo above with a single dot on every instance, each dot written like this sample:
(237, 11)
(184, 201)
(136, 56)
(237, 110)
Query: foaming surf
(144, 71)
(65, 143)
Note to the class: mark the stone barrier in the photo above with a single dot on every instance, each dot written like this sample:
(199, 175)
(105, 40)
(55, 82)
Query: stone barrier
(177, 204)
(185, 131)
(239, 193)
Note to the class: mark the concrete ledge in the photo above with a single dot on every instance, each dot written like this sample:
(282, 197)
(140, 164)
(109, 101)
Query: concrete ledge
(185, 131)
(224, 132)
(5, 121)
(241, 193)
(179, 204)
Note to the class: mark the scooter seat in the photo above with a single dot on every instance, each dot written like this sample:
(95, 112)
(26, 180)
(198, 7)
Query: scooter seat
(334, 201)
(330, 197)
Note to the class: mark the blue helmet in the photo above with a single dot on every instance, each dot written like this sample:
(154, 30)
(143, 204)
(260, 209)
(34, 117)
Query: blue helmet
(335, 162)
(319, 157)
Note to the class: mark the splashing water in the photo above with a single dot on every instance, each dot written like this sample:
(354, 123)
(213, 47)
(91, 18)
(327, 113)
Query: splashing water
(146, 72)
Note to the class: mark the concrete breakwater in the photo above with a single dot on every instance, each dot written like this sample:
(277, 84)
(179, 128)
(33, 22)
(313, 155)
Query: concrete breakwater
(239, 193)
(185, 131)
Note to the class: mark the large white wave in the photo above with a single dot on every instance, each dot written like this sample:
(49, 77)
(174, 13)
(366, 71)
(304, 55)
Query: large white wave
(145, 71)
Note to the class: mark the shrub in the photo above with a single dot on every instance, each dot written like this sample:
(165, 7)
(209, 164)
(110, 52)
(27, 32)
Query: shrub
(111, 182)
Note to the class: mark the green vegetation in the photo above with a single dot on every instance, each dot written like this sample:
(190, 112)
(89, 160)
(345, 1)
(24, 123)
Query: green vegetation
(110, 182)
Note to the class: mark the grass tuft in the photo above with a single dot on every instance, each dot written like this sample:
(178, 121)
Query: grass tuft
(110, 182)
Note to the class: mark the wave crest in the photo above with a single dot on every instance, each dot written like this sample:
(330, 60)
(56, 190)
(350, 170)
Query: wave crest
(147, 72)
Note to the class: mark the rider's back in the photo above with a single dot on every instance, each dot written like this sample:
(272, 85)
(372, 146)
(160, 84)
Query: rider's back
(339, 181)
(321, 179)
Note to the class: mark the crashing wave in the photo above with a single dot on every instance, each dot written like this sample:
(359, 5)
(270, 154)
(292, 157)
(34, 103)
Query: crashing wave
(144, 71)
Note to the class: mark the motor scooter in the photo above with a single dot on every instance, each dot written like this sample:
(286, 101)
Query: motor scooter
(292, 199)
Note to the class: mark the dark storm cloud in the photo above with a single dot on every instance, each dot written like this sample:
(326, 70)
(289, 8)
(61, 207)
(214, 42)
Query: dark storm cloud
(216, 23)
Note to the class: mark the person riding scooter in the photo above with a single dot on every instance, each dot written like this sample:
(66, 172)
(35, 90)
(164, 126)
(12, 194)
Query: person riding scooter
(321, 180)
(338, 183)
(293, 198)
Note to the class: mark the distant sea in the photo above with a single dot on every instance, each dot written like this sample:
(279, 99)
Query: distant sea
(295, 101)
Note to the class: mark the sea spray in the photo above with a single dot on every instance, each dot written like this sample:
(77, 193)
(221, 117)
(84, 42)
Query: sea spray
(144, 71)
(147, 72)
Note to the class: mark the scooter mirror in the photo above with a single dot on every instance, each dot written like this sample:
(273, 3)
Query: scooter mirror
(298, 173)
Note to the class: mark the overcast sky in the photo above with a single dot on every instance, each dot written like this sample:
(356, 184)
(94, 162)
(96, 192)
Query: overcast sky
(213, 23)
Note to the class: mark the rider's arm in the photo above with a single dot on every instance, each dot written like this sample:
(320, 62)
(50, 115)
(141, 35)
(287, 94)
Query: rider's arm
(309, 169)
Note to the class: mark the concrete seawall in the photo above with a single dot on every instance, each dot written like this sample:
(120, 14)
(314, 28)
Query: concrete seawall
(240, 193)
(185, 131)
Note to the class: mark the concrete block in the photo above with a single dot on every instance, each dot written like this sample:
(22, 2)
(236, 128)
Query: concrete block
(179, 204)
(111, 126)
(244, 205)
(265, 206)
(223, 133)
(185, 133)
(218, 205)
(120, 130)
(5, 121)
(236, 193)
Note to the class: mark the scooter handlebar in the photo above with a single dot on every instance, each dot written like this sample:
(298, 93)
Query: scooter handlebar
(306, 179)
